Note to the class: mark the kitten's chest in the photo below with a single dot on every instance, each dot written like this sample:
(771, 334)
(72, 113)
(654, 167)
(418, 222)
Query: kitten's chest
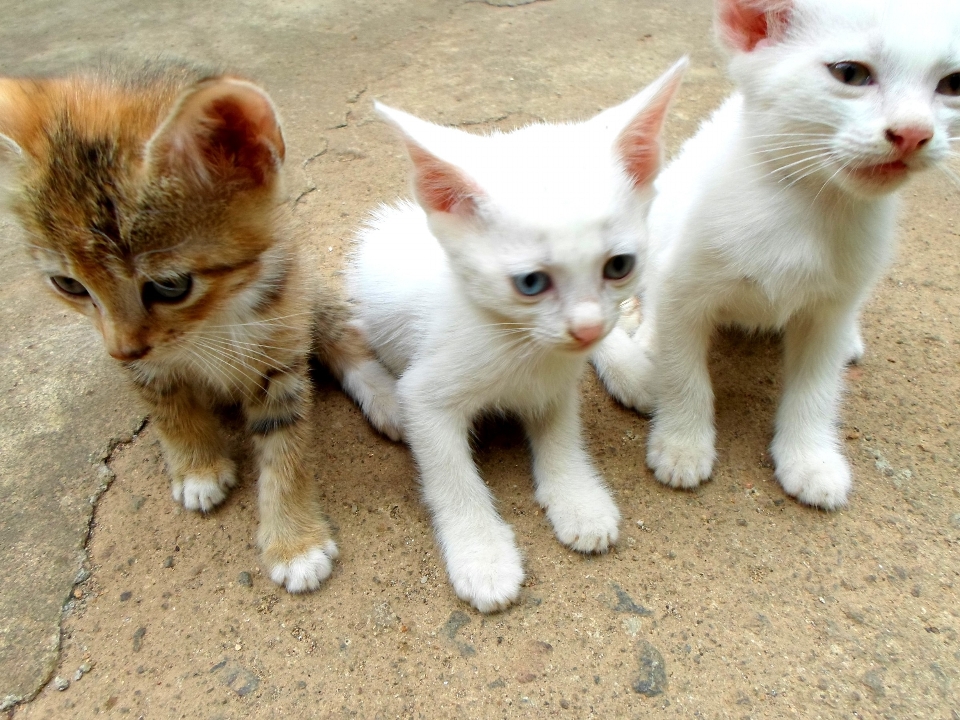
(781, 270)
(481, 374)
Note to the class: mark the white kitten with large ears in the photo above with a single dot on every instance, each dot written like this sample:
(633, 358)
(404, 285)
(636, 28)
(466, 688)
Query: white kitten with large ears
(779, 215)
(489, 296)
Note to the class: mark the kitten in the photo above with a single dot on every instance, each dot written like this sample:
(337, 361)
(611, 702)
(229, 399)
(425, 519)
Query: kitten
(488, 298)
(779, 215)
(151, 201)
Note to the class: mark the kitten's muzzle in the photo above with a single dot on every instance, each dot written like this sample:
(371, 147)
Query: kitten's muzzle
(907, 140)
(587, 335)
(125, 344)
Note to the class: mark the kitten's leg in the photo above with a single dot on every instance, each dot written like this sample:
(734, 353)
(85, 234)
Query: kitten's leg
(806, 449)
(294, 536)
(578, 504)
(624, 366)
(201, 473)
(479, 550)
(364, 379)
(681, 446)
(854, 347)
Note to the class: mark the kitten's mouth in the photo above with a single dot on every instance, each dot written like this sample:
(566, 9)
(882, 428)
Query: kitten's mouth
(882, 173)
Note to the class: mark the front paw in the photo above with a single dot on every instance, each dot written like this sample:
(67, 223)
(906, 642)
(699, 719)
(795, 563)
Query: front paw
(626, 371)
(855, 349)
(205, 489)
(680, 460)
(820, 477)
(375, 391)
(586, 520)
(486, 569)
(302, 572)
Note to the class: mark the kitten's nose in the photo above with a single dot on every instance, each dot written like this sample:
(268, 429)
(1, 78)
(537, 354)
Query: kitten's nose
(909, 139)
(128, 353)
(124, 344)
(587, 334)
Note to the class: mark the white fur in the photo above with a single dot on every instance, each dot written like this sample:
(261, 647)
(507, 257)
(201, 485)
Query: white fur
(435, 297)
(205, 492)
(305, 572)
(761, 223)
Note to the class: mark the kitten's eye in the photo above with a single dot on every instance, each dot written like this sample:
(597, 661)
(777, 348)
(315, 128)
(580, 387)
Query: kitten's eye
(532, 283)
(168, 290)
(619, 266)
(69, 285)
(851, 73)
(950, 85)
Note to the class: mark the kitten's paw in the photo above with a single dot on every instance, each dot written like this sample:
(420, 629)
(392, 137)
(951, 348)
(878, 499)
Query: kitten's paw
(203, 491)
(586, 521)
(486, 573)
(375, 391)
(680, 462)
(855, 348)
(306, 571)
(626, 371)
(821, 478)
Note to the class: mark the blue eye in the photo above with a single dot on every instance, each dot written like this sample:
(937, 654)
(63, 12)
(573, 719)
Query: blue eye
(619, 266)
(532, 283)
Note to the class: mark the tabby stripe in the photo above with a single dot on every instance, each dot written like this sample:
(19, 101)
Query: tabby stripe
(268, 425)
(274, 289)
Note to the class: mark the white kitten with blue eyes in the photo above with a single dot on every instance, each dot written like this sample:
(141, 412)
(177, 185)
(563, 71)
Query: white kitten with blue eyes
(779, 215)
(488, 297)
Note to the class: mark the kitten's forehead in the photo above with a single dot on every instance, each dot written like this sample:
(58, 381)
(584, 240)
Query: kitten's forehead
(550, 176)
(911, 32)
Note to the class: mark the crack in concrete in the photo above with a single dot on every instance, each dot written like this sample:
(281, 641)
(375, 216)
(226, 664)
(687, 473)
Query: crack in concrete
(101, 460)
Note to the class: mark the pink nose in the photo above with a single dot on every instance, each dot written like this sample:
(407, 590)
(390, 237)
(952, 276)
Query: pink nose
(909, 139)
(587, 334)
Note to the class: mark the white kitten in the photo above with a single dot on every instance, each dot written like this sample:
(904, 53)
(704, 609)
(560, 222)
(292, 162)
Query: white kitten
(488, 297)
(779, 215)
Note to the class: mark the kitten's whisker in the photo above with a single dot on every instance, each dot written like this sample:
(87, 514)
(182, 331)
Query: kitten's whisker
(242, 355)
(769, 161)
(224, 359)
(827, 182)
(273, 322)
(249, 353)
(216, 368)
(771, 147)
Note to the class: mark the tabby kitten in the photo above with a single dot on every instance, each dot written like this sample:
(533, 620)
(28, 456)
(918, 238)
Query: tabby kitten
(151, 201)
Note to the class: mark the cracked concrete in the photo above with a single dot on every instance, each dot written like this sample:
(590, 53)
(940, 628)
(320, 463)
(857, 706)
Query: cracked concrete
(731, 601)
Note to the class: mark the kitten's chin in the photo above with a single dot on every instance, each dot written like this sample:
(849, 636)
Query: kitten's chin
(878, 179)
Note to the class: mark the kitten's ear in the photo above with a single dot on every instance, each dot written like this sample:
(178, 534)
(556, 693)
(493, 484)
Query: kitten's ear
(223, 130)
(13, 116)
(440, 187)
(744, 24)
(11, 162)
(640, 145)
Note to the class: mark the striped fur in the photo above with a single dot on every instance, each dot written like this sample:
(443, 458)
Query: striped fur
(133, 184)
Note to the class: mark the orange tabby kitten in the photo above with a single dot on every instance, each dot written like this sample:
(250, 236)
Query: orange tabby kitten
(151, 203)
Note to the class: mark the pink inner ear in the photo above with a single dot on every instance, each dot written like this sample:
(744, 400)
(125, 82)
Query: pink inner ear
(224, 131)
(640, 145)
(640, 149)
(241, 138)
(745, 24)
(440, 186)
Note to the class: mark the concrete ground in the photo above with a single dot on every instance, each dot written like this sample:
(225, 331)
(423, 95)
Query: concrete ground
(731, 601)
